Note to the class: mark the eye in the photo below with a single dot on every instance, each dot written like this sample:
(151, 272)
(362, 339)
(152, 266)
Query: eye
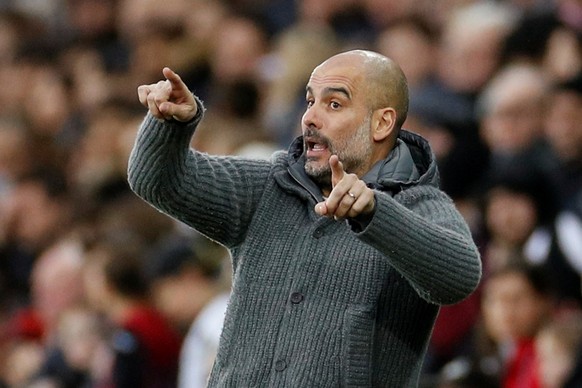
(335, 105)
(309, 103)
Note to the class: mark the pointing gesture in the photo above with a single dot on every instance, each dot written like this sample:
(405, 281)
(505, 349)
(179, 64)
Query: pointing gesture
(349, 196)
(168, 99)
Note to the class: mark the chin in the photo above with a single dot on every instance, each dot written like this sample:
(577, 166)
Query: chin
(321, 174)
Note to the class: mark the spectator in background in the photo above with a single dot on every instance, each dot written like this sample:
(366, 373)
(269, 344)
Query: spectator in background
(519, 215)
(98, 160)
(78, 355)
(46, 116)
(511, 115)
(146, 348)
(383, 13)
(20, 363)
(511, 119)
(547, 41)
(57, 283)
(235, 62)
(193, 49)
(37, 211)
(16, 158)
(93, 24)
(564, 133)
(467, 57)
(238, 105)
(517, 300)
(56, 286)
(412, 42)
(559, 347)
(521, 159)
(469, 50)
(239, 47)
(184, 274)
(191, 286)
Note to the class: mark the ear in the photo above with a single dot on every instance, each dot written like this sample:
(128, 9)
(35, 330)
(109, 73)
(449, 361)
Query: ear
(383, 122)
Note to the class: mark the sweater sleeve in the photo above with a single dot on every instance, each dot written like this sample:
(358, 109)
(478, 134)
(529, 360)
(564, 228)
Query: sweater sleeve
(427, 241)
(216, 195)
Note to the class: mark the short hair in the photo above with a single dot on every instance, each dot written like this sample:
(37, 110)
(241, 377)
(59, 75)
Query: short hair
(122, 267)
(388, 86)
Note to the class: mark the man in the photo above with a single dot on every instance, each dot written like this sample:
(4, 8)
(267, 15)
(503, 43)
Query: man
(342, 248)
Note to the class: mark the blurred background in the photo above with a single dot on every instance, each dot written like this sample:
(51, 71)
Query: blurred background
(97, 289)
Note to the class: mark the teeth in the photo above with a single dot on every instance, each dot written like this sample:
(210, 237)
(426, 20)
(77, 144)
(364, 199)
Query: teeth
(318, 147)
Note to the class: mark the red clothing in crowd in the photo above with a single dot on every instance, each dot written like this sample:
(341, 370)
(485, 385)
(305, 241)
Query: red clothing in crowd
(158, 343)
(522, 368)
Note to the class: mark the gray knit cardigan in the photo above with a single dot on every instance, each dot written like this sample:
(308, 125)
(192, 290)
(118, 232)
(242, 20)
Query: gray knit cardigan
(315, 302)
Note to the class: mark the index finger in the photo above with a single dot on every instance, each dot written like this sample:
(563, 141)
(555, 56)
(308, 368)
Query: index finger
(337, 170)
(174, 79)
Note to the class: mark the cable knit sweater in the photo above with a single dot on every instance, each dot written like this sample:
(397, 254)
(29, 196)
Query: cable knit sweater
(315, 302)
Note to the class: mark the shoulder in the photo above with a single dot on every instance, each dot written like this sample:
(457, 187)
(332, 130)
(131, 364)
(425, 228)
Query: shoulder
(419, 193)
(280, 160)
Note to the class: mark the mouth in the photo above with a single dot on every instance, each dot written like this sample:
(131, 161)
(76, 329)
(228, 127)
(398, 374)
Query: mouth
(315, 146)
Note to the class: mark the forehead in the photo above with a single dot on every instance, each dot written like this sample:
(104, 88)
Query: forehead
(339, 72)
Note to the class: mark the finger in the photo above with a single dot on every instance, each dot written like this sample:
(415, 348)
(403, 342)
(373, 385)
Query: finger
(182, 105)
(357, 199)
(337, 170)
(153, 106)
(175, 80)
(142, 94)
(344, 207)
(321, 209)
(363, 204)
(339, 202)
(162, 92)
(178, 112)
(159, 95)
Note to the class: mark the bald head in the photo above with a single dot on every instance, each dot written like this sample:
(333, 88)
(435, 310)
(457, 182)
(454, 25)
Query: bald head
(383, 79)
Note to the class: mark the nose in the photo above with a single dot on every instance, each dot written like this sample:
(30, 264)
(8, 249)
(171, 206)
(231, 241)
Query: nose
(311, 118)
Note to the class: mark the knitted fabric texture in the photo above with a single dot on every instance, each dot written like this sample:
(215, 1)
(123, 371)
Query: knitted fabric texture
(314, 303)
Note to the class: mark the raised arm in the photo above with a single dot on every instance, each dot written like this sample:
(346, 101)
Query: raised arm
(216, 195)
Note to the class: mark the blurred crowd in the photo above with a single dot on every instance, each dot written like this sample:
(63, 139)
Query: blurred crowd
(97, 289)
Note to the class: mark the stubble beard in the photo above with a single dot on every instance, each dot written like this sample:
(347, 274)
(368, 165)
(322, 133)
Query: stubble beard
(354, 152)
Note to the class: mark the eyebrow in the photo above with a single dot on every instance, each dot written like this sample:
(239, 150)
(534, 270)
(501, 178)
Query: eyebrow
(332, 90)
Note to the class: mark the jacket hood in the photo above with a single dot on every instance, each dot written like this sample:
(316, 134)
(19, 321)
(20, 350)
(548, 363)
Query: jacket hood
(410, 163)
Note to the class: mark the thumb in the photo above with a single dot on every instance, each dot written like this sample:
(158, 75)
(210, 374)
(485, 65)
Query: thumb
(321, 208)
(337, 170)
(179, 112)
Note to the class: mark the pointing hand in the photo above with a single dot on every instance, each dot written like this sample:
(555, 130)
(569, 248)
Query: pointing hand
(349, 196)
(168, 99)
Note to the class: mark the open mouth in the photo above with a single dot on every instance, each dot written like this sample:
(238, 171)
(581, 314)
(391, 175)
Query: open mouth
(316, 147)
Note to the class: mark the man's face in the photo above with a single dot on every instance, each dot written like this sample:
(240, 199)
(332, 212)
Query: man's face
(337, 120)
